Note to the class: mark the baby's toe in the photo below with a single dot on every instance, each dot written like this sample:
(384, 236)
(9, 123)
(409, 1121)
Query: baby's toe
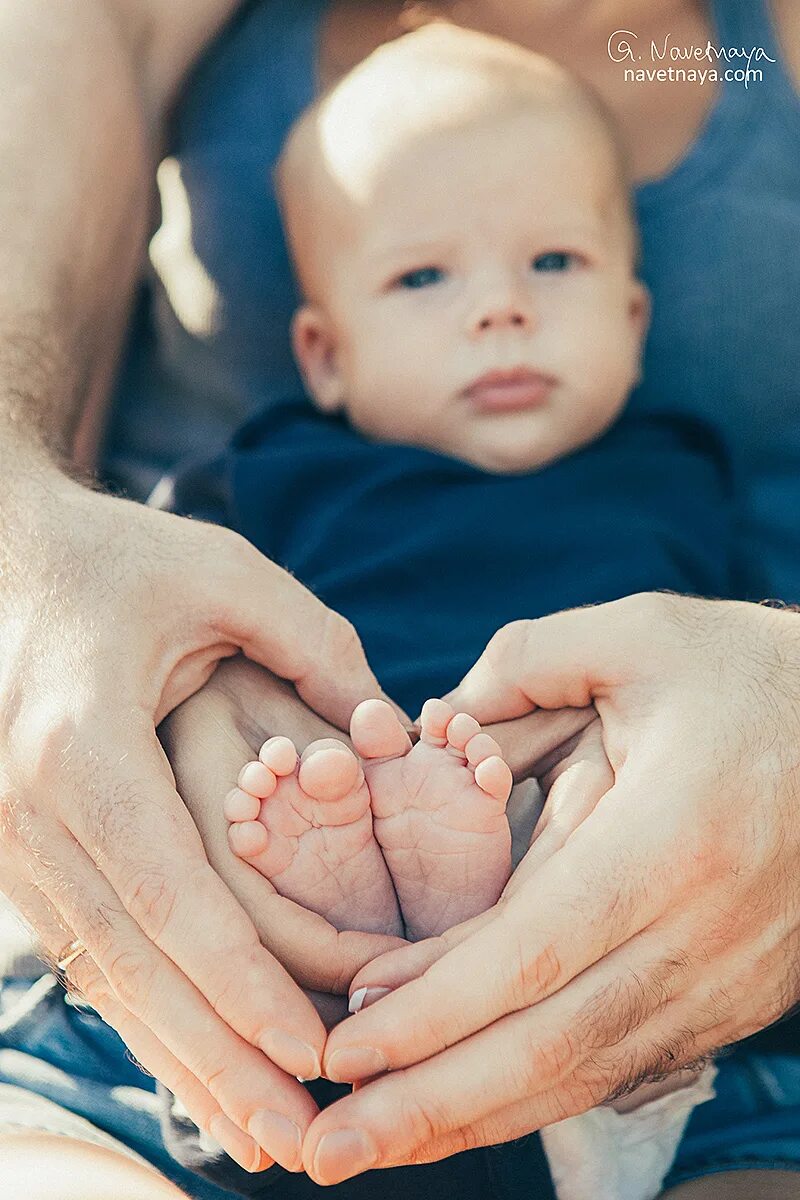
(459, 731)
(493, 776)
(279, 755)
(247, 839)
(328, 770)
(241, 806)
(479, 747)
(376, 731)
(436, 715)
(257, 779)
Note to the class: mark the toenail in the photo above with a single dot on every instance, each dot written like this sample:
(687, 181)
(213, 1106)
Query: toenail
(364, 996)
(343, 1153)
(294, 1056)
(279, 1136)
(355, 1064)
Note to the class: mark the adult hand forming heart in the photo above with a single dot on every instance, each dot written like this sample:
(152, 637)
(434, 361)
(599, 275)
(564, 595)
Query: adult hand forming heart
(656, 918)
(249, 705)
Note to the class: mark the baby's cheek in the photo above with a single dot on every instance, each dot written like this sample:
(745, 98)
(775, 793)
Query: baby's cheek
(396, 393)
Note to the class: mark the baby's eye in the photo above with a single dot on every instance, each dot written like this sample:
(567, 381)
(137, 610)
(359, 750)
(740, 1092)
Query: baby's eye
(555, 260)
(422, 277)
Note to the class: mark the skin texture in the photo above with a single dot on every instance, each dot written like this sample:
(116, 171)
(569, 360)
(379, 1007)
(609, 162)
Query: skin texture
(702, 803)
(432, 256)
(112, 614)
(414, 830)
(126, 60)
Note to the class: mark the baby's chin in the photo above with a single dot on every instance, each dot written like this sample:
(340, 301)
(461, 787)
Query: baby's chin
(509, 457)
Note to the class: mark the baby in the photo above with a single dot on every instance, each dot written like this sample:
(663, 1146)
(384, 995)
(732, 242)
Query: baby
(461, 228)
(472, 325)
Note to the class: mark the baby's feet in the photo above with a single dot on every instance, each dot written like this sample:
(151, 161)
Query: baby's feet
(306, 825)
(439, 812)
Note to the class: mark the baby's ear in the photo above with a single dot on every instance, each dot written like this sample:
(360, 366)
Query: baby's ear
(640, 308)
(314, 344)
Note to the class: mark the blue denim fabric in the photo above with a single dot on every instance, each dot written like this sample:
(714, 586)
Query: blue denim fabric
(66, 1053)
(754, 1122)
(56, 1049)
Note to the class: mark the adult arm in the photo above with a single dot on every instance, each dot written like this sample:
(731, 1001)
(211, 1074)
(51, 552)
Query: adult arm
(666, 926)
(112, 614)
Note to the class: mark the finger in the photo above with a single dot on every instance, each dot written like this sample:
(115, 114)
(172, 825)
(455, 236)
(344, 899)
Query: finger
(617, 1024)
(409, 961)
(153, 1056)
(566, 660)
(134, 826)
(570, 913)
(318, 956)
(534, 743)
(124, 966)
(576, 787)
(283, 626)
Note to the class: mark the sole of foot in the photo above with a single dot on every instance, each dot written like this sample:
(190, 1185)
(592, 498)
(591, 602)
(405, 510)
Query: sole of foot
(305, 823)
(439, 812)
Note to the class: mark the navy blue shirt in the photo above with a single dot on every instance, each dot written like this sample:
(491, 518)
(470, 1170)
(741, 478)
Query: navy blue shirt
(428, 556)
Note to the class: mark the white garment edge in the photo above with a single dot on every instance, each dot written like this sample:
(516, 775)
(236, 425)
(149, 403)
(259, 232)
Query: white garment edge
(606, 1155)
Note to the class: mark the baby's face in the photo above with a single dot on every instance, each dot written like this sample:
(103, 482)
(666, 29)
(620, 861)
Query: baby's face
(483, 301)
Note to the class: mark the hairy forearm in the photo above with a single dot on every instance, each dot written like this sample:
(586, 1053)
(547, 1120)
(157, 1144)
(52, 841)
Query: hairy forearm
(74, 190)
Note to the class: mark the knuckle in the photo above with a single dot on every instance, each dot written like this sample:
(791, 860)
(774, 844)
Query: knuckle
(586, 1089)
(130, 975)
(48, 744)
(548, 1061)
(214, 1074)
(233, 992)
(507, 639)
(526, 977)
(232, 549)
(425, 1122)
(88, 981)
(151, 899)
(17, 818)
(339, 637)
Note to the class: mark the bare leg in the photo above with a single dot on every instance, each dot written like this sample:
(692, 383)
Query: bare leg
(43, 1166)
(740, 1185)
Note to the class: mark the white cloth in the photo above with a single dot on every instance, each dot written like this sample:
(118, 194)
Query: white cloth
(606, 1155)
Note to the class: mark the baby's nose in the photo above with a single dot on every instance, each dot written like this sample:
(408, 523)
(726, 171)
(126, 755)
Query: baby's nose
(510, 312)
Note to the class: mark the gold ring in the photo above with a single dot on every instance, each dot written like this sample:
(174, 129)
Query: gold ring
(70, 952)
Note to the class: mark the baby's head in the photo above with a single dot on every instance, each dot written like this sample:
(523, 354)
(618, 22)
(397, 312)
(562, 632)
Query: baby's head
(460, 222)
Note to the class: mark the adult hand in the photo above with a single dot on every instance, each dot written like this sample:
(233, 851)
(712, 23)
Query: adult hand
(112, 614)
(667, 924)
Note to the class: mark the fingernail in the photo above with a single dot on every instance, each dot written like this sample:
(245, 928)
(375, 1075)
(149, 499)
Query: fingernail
(364, 996)
(279, 1136)
(343, 1153)
(359, 1062)
(237, 1145)
(294, 1056)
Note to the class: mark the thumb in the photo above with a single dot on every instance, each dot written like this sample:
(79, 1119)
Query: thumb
(283, 626)
(567, 660)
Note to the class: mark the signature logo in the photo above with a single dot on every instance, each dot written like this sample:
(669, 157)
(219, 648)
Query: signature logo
(620, 49)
